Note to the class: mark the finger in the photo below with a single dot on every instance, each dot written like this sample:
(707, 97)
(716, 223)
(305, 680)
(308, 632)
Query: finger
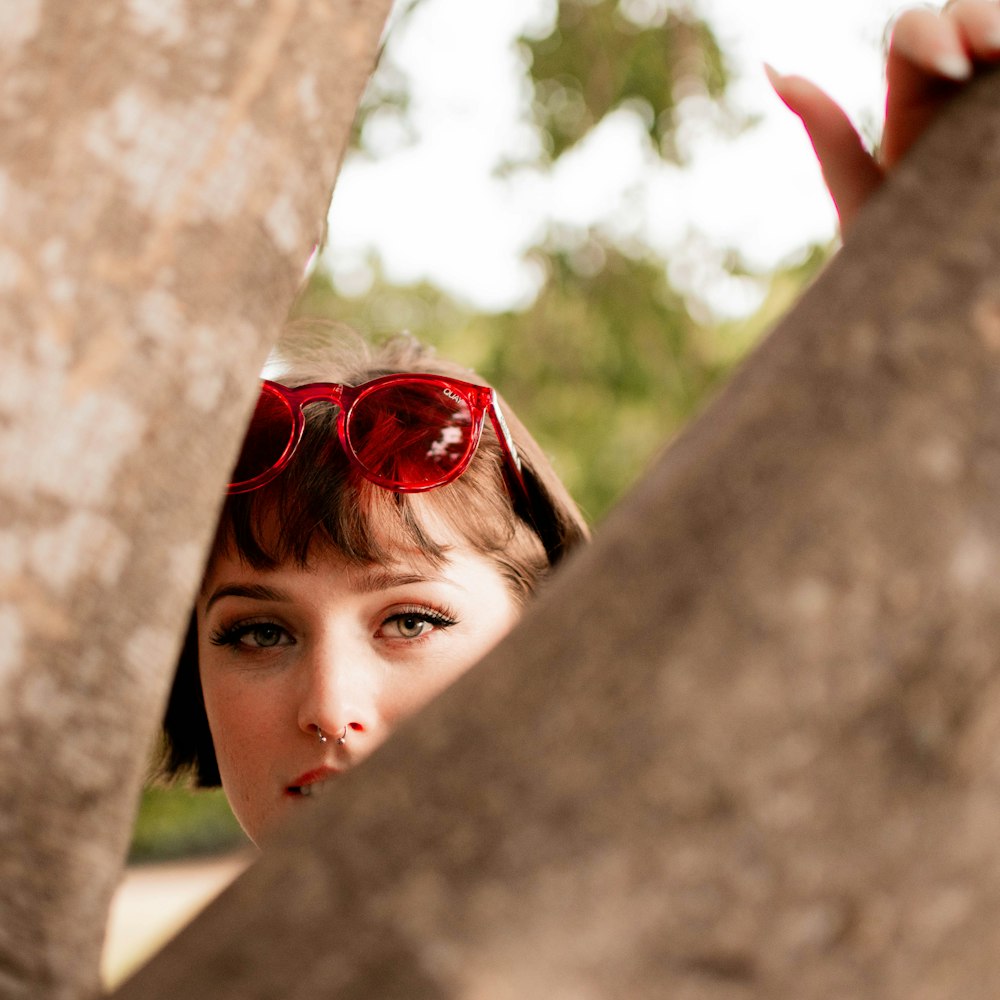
(978, 24)
(849, 170)
(926, 65)
(930, 43)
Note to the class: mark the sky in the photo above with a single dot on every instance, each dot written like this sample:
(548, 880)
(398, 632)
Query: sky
(432, 205)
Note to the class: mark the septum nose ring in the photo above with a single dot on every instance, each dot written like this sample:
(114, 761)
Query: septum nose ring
(340, 740)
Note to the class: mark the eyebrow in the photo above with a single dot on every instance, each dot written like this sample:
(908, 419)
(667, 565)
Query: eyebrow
(383, 579)
(255, 591)
(370, 581)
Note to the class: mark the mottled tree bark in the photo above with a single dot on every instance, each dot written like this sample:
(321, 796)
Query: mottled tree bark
(165, 167)
(746, 746)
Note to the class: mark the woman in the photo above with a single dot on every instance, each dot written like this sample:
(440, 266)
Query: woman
(355, 575)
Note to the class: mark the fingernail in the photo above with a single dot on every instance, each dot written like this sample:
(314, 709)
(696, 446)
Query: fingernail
(778, 82)
(953, 66)
(992, 39)
(991, 33)
(773, 76)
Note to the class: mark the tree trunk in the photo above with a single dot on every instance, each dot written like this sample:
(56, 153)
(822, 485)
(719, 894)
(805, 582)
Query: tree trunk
(745, 745)
(164, 172)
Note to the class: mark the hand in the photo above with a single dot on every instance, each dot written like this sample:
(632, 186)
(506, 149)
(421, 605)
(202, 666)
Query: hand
(931, 55)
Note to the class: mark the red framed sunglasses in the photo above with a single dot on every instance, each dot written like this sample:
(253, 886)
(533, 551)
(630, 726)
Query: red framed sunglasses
(407, 433)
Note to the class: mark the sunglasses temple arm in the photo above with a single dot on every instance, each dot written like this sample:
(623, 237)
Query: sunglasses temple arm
(518, 487)
(508, 446)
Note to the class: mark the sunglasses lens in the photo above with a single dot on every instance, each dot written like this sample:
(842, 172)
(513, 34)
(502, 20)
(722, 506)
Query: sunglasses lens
(267, 440)
(411, 435)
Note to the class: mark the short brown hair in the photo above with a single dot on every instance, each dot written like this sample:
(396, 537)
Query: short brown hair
(318, 501)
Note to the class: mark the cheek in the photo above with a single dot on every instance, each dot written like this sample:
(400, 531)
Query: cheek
(242, 721)
(474, 647)
(505, 621)
(494, 627)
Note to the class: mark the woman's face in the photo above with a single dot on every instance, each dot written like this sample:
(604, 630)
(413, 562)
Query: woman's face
(288, 652)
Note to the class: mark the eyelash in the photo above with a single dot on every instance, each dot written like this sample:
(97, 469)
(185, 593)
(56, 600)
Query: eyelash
(233, 635)
(438, 619)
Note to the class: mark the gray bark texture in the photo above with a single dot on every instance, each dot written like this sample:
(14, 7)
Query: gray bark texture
(745, 746)
(165, 169)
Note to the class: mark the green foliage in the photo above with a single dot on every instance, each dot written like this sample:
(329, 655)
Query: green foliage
(786, 284)
(177, 822)
(603, 367)
(606, 54)
(388, 92)
(598, 56)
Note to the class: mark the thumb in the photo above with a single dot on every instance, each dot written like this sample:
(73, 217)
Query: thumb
(851, 173)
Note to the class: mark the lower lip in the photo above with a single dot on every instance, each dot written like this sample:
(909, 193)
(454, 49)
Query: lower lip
(311, 787)
(302, 791)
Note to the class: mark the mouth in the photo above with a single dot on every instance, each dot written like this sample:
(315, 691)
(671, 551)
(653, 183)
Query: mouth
(305, 791)
(311, 784)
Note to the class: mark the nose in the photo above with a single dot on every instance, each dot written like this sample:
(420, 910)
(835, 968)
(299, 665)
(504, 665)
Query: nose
(339, 689)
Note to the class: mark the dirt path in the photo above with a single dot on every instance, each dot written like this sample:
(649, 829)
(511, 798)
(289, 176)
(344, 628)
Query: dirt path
(155, 901)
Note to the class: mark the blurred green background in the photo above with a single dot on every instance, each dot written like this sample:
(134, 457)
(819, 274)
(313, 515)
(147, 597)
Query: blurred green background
(181, 823)
(610, 359)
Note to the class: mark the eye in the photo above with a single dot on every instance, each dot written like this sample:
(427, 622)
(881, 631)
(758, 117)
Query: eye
(408, 627)
(263, 636)
(414, 624)
(253, 635)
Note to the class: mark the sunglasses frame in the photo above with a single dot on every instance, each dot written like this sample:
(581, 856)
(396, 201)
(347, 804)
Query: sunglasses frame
(480, 399)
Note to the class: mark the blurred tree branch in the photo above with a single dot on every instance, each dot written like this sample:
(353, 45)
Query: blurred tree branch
(164, 174)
